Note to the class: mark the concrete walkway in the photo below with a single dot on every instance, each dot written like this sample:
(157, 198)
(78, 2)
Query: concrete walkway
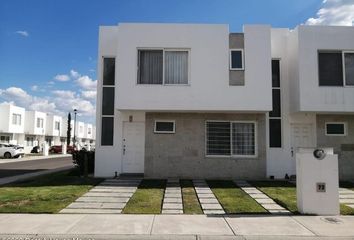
(265, 201)
(346, 196)
(207, 199)
(172, 202)
(110, 196)
(120, 226)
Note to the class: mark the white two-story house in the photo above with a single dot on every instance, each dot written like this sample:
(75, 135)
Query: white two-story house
(53, 129)
(196, 101)
(12, 124)
(35, 129)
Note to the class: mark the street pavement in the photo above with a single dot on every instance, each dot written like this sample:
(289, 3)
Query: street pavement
(33, 164)
(109, 226)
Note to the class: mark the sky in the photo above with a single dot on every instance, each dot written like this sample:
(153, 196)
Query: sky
(48, 49)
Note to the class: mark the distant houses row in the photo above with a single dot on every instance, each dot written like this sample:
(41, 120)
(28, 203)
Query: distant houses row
(32, 128)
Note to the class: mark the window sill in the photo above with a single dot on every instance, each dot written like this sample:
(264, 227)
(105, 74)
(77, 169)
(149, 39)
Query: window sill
(238, 157)
(237, 69)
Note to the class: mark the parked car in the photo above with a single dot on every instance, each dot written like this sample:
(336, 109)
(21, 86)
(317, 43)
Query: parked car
(11, 151)
(58, 149)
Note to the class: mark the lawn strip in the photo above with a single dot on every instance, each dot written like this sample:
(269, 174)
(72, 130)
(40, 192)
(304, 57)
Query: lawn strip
(44, 194)
(147, 199)
(191, 204)
(233, 199)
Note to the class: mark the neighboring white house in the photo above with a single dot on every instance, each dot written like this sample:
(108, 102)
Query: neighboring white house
(33, 128)
(12, 124)
(196, 101)
(53, 129)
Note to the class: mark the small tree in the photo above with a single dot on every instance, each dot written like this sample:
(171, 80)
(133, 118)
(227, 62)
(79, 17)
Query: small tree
(68, 133)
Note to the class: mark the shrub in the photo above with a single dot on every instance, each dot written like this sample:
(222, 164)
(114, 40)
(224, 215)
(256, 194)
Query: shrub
(79, 160)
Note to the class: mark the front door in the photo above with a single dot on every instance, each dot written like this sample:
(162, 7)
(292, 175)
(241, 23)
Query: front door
(302, 136)
(133, 147)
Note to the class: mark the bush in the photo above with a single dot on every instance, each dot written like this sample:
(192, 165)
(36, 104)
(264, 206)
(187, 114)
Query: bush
(79, 160)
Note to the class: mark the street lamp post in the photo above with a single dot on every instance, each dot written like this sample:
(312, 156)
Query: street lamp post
(75, 111)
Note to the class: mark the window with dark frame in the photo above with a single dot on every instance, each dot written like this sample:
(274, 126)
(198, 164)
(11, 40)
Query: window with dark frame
(275, 125)
(108, 98)
(349, 68)
(330, 68)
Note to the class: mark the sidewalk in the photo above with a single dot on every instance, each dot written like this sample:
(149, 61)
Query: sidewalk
(105, 226)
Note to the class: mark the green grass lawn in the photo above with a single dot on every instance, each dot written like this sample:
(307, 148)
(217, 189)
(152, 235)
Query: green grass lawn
(233, 199)
(147, 199)
(44, 194)
(284, 193)
(190, 200)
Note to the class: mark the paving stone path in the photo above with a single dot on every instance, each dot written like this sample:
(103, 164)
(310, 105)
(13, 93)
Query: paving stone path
(172, 202)
(346, 196)
(110, 196)
(265, 201)
(207, 199)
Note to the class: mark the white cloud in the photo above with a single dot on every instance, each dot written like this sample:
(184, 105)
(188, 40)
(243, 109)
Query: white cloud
(87, 83)
(60, 102)
(34, 88)
(74, 74)
(92, 70)
(89, 95)
(62, 78)
(64, 93)
(23, 33)
(334, 12)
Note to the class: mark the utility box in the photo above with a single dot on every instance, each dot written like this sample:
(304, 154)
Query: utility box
(317, 181)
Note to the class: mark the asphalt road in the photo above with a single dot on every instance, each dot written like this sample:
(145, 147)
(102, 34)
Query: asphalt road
(29, 166)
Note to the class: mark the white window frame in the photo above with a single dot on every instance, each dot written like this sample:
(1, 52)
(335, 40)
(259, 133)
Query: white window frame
(163, 66)
(18, 119)
(242, 57)
(55, 125)
(41, 122)
(343, 67)
(168, 121)
(233, 155)
(336, 135)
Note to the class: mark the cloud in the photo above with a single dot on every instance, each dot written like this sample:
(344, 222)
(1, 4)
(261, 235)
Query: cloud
(86, 83)
(34, 88)
(62, 78)
(64, 93)
(23, 33)
(60, 102)
(89, 95)
(74, 74)
(334, 12)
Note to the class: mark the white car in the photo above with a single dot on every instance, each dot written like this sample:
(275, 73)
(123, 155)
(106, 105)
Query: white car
(11, 151)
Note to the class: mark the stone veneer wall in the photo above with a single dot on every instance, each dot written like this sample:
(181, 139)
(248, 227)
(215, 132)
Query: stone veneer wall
(183, 154)
(343, 145)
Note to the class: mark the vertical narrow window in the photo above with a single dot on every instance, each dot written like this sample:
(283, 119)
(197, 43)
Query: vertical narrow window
(108, 98)
(108, 71)
(274, 123)
(150, 66)
(176, 67)
(236, 59)
(349, 68)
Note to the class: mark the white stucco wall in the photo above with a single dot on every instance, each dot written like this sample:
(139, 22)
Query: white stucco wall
(50, 125)
(31, 123)
(208, 89)
(312, 96)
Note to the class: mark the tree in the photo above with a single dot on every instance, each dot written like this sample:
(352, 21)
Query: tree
(68, 133)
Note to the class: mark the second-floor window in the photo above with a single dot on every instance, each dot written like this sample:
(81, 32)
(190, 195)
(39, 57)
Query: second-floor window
(163, 66)
(16, 119)
(81, 129)
(236, 59)
(57, 125)
(89, 131)
(336, 68)
(39, 122)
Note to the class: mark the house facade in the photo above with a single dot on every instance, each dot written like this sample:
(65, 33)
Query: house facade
(196, 101)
